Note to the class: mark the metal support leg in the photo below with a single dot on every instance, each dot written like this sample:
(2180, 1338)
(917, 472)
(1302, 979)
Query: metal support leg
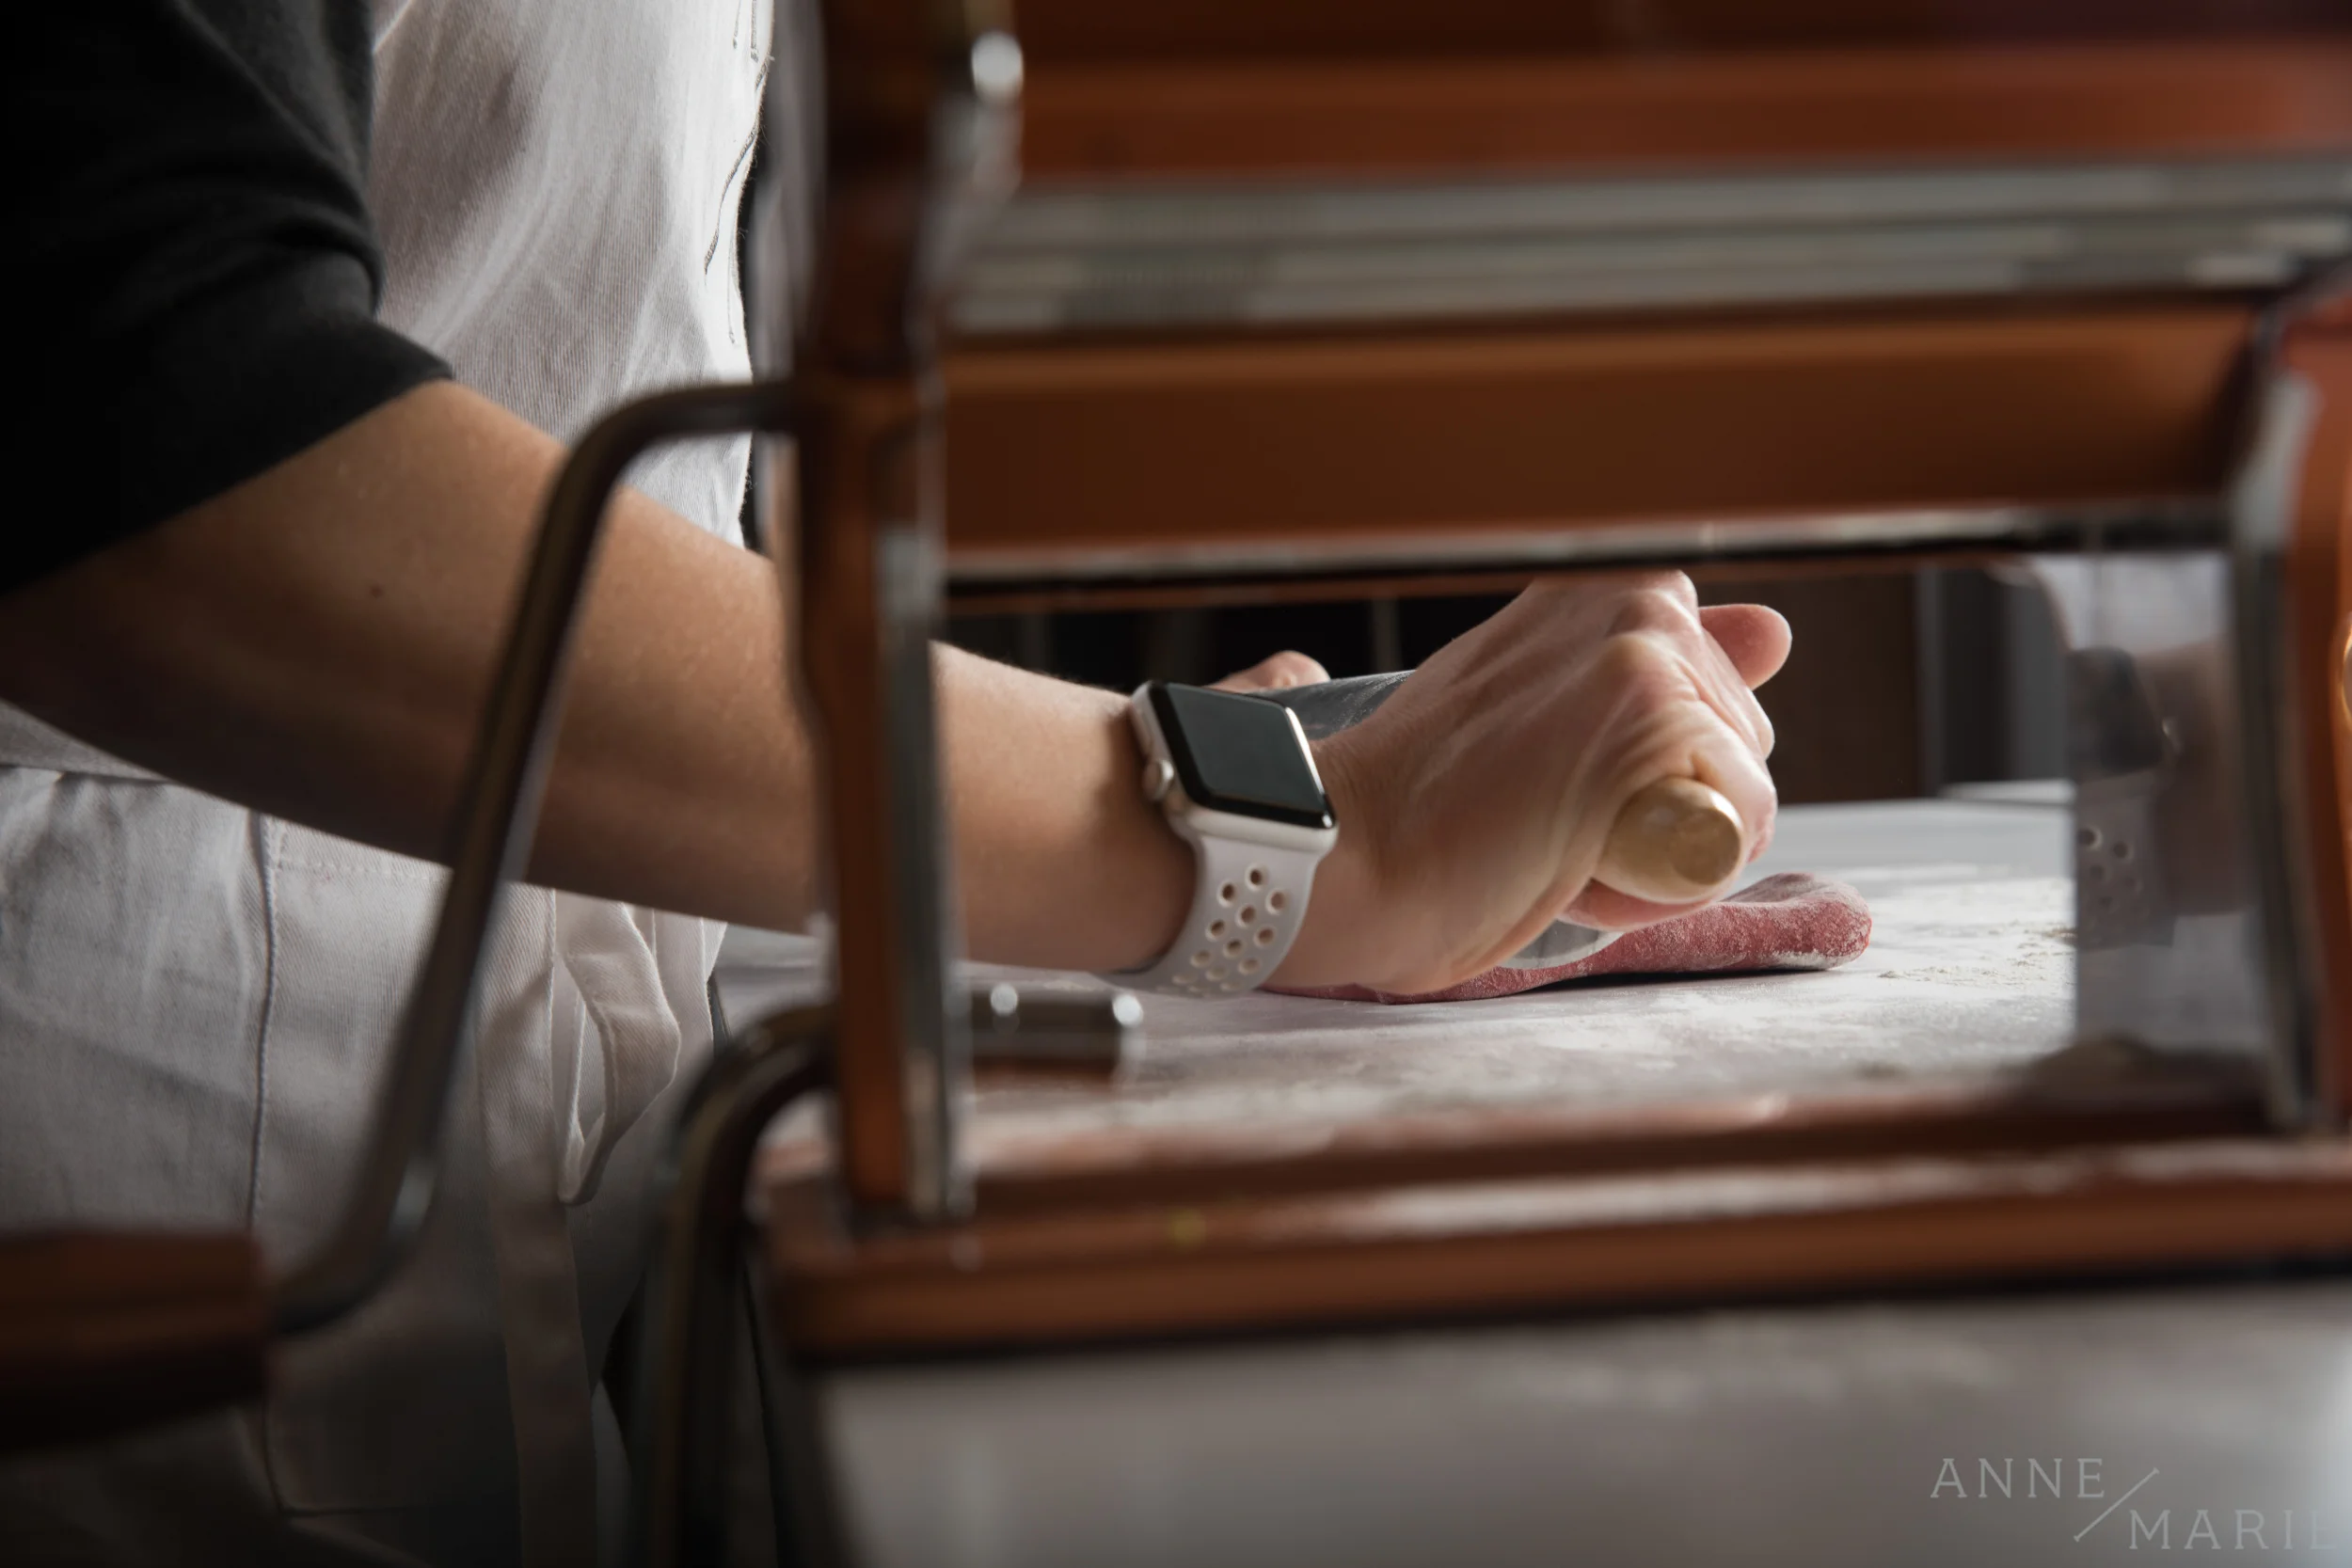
(686, 1363)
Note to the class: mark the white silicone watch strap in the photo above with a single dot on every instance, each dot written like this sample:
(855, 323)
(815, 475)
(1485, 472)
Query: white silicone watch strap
(1246, 906)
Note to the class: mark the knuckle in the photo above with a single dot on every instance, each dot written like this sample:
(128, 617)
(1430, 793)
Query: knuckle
(1641, 667)
(1674, 587)
(1656, 606)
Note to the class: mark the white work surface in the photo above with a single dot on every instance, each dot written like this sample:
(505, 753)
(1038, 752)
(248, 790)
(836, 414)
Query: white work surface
(1811, 1435)
(1969, 975)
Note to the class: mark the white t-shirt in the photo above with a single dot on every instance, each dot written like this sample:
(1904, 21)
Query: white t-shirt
(196, 1018)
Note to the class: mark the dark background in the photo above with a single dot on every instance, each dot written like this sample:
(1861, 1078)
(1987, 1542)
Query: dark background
(1900, 684)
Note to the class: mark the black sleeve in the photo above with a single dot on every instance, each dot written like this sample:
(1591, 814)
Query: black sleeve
(200, 273)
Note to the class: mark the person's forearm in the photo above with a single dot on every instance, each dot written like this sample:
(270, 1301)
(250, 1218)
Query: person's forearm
(318, 642)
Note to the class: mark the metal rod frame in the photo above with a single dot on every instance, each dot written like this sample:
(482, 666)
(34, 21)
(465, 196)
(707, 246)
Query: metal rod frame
(687, 1367)
(496, 814)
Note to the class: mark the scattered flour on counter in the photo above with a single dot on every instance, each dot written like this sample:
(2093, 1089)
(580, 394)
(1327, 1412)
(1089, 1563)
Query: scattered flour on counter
(1969, 976)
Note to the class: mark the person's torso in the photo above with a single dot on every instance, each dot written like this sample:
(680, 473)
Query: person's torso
(556, 185)
(199, 998)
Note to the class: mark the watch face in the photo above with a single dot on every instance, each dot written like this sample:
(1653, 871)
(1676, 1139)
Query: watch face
(1240, 754)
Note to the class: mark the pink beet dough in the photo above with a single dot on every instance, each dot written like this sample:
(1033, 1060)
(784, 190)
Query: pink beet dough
(1790, 921)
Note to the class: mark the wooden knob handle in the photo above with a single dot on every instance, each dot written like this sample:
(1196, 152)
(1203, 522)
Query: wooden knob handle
(1674, 841)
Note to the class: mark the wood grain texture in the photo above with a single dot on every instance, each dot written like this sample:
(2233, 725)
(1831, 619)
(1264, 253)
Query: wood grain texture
(1674, 841)
(1363, 441)
(848, 426)
(1297, 117)
(1414, 1253)
(1116, 1168)
(1062, 32)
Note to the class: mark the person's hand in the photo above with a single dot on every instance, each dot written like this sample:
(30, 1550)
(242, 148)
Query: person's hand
(1475, 804)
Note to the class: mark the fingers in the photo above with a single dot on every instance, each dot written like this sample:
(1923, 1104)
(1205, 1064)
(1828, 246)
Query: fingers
(1681, 710)
(1276, 673)
(1605, 908)
(1664, 610)
(1688, 740)
(1733, 770)
(1477, 805)
(1756, 639)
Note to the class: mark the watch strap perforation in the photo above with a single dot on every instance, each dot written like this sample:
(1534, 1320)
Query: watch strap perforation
(1249, 902)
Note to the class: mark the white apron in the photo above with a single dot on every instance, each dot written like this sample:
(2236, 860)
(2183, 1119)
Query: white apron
(195, 1001)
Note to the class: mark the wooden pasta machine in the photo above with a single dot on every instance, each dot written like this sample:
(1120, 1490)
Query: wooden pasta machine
(1079, 305)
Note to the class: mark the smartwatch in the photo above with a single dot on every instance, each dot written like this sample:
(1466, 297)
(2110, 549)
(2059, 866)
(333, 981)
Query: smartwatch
(1237, 781)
